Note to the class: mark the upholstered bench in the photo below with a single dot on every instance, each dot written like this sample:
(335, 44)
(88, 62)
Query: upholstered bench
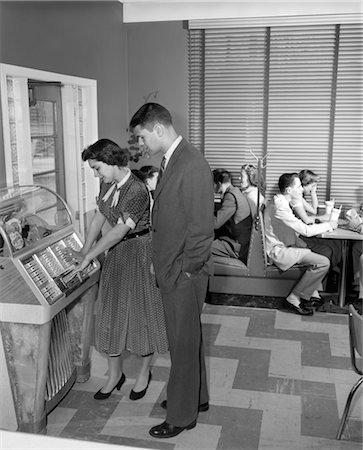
(258, 277)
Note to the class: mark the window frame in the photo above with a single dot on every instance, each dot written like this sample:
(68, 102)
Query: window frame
(80, 128)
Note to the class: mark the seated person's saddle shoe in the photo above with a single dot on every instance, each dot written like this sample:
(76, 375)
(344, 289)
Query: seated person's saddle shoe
(299, 309)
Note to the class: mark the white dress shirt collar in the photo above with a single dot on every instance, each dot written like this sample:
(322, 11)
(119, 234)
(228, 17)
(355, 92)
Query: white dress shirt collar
(171, 150)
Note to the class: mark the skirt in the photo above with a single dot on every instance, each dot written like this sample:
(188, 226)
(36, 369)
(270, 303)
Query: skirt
(129, 310)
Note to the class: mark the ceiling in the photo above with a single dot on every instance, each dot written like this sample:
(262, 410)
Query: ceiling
(166, 10)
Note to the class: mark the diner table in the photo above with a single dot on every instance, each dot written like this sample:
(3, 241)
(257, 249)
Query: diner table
(344, 234)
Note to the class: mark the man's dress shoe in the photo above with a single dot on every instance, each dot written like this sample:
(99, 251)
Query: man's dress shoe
(166, 430)
(202, 407)
(299, 309)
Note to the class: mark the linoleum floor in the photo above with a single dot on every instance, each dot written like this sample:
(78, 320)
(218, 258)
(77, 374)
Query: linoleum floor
(278, 381)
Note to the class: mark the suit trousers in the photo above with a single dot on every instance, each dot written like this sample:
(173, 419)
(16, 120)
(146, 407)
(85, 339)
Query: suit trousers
(331, 248)
(187, 385)
(318, 266)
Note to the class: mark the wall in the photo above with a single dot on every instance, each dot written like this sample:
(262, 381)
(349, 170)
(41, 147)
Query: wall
(158, 71)
(85, 39)
(88, 39)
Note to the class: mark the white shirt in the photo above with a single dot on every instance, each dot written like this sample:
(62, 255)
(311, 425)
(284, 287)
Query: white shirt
(282, 230)
(171, 150)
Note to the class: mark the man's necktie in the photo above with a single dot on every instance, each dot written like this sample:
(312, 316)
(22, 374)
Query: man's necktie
(162, 168)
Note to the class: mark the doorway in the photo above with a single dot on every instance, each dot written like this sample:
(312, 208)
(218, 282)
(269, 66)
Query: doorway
(46, 134)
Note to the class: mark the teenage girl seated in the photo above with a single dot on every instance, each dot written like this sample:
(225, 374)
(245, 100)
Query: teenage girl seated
(302, 208)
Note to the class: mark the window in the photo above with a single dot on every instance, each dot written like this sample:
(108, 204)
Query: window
(293, 93)
(44, 136)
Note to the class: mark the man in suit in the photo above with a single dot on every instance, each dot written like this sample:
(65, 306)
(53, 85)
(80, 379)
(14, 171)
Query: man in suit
(285, 248)
(233, 220)
(182, 225)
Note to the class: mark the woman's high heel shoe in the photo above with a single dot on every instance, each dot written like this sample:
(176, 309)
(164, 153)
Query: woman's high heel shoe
(103, 395)
(137, 395)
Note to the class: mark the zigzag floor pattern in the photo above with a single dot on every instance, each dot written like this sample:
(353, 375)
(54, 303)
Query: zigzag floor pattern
(278, 381)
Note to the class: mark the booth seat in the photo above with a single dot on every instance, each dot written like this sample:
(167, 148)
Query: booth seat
(258, 277)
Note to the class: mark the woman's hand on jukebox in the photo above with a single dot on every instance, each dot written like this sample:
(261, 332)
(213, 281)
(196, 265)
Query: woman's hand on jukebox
(80, 260)
(83, 264)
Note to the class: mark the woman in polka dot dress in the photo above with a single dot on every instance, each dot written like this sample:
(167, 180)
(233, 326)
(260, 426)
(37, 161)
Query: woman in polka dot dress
(130, 313)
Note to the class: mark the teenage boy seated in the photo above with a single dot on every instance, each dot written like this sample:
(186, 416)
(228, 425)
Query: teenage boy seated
(233, 220)
(285, 248)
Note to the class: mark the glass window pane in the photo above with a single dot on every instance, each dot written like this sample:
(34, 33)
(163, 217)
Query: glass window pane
(43, 154)
(48, 180)
(42, 118)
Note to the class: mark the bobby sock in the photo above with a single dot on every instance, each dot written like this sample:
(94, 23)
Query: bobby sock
(293, 299)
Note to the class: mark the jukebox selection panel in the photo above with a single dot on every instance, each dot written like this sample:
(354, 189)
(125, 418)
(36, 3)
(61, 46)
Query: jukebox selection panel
(52, 273)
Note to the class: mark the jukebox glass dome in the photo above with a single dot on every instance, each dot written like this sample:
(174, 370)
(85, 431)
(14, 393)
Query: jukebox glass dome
(27, 215)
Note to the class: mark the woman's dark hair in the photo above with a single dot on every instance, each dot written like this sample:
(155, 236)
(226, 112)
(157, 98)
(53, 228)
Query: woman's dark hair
(147, 172)
(308, 177)
(108, 152)
(286, 180)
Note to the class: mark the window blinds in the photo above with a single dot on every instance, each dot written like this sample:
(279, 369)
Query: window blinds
(294, 92)
(196, 88)
(234, 96)
(347, 153)
(299, 105)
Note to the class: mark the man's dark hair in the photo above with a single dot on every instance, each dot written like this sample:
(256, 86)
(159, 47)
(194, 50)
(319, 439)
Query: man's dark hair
(149, 114)
(286, 180)
(221, 176)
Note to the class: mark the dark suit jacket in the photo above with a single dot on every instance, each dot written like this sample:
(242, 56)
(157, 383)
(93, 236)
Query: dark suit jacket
(182, 217)
(234, 206)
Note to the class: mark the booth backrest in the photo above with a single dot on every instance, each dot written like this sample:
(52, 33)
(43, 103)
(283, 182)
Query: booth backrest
(257, 258)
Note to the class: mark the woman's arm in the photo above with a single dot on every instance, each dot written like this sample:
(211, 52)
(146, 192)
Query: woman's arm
(112, 237)
(93, 231)
(312, 207)
(300, 212)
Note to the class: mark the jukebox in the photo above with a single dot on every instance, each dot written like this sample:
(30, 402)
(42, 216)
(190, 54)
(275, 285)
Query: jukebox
(46, 308)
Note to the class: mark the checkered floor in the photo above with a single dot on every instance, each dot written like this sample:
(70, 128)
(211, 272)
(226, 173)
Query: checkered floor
(278, 381)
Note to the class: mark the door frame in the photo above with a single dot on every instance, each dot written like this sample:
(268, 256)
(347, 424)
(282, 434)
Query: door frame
(80, 128)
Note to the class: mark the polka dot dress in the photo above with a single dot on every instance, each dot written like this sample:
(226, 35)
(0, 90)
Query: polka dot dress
(130, 314)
